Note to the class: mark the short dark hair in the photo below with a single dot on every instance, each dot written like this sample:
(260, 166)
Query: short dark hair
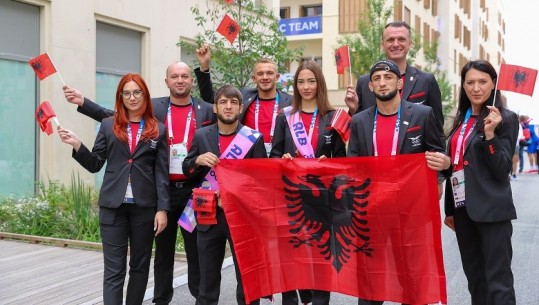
(228, 91)
(398, 24)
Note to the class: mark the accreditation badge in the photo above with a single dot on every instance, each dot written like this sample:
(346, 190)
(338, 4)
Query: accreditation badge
(178, 152)
(457, 185)
(268, 148)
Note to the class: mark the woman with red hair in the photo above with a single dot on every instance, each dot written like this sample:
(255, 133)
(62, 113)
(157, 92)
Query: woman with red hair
(134, 196)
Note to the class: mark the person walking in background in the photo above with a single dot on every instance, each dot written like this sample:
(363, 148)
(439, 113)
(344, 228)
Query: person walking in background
(182, 114)
(481, 145)
(532, 147)
(312, 111)
(523, 141)
(134, 198)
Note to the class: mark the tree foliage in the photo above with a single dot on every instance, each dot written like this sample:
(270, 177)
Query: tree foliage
(430, 52)
(259, 36)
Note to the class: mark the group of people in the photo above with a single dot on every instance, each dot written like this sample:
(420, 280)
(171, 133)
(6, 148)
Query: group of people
(396, 109)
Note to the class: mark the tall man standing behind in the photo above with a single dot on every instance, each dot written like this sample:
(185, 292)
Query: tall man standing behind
(394, 127)
(418, 87)
(181, 114)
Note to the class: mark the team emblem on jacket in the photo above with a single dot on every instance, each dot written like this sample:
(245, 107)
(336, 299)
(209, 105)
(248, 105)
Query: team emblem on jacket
(153, 144)
(416, 141)
(327, 139)
(334, 234)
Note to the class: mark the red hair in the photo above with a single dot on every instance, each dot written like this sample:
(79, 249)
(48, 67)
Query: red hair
(121, 117)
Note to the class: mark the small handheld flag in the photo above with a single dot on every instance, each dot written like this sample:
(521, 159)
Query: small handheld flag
(341, 123)
(342, 59)
(44, 113)
(517, 79)
(229, 28)
(43, 67)
(187, 218)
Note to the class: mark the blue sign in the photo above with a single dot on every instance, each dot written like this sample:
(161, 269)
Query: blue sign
(301, 26)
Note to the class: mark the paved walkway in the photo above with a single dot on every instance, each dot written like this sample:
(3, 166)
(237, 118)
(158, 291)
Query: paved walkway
(43, 274)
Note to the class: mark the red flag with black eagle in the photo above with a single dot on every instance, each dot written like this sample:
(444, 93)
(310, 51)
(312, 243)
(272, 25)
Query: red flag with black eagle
(517, 79)
(44, 113)
(42, 65)
(368, 227)
(229, 28)
(341, 123)
(342, 59)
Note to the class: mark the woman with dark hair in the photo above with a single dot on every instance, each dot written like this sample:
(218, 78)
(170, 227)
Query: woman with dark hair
(481, 145)
(134, 197)
(310, 114)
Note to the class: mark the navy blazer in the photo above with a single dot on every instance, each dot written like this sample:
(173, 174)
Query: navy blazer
(329, 141)
(419, 88)
(487, 165)
(148, 167)
(203, 112)
(417, 131)
(205, 87)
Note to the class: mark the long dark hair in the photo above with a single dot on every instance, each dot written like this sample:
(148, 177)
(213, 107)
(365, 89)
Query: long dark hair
(322, 99)
(465, 103)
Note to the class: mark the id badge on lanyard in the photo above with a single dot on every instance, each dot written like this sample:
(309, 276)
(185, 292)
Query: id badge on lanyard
(178, 152)
(458, 187)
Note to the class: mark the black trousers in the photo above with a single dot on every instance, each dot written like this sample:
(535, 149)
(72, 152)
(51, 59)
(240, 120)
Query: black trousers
(128, 225)
(486, 253)
(165, 247)
(211, 253)
(317, 297)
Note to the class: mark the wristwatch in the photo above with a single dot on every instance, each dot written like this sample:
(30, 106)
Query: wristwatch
(163, 211)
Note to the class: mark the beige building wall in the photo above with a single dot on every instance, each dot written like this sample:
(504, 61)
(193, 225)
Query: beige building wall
(68, 33)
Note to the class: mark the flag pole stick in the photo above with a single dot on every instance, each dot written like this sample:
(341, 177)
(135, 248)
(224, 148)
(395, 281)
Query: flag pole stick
(350, 67)
(56, 121)
(496, 87)
(59, 75)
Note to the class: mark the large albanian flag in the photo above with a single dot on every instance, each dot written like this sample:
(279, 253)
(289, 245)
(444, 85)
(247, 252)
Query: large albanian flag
(368, 227)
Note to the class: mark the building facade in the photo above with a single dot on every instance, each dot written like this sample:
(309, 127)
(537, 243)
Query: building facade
(94, 42)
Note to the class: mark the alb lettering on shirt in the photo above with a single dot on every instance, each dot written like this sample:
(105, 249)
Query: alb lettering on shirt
(299, 135)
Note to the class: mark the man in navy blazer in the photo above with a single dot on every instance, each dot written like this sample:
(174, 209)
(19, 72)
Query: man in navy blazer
(419, 87)
(208, 144)
(373, 130)
(179, 81)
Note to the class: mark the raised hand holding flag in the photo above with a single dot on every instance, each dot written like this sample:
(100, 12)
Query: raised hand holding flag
(44, 113)
(229, 28)
(517, 79)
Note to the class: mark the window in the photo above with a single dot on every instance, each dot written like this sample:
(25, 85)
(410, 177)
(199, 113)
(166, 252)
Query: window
(434, 7)
(426, 4)
(18, 98)
(407, 15)
(284, 12)
(397, 11)
(112, 62)
(311, 10)
(350, 13)
(426, 33)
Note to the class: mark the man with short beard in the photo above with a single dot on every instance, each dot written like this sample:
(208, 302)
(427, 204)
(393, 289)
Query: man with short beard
(393, 126)
(226, 139)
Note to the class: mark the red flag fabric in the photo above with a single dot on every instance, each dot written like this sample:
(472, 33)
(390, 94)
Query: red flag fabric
(368, 227)
(341, 123)
(517, 79)
(43, 66)
(229, 28)
(342, 59)
(44, 113)
(230, 1)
